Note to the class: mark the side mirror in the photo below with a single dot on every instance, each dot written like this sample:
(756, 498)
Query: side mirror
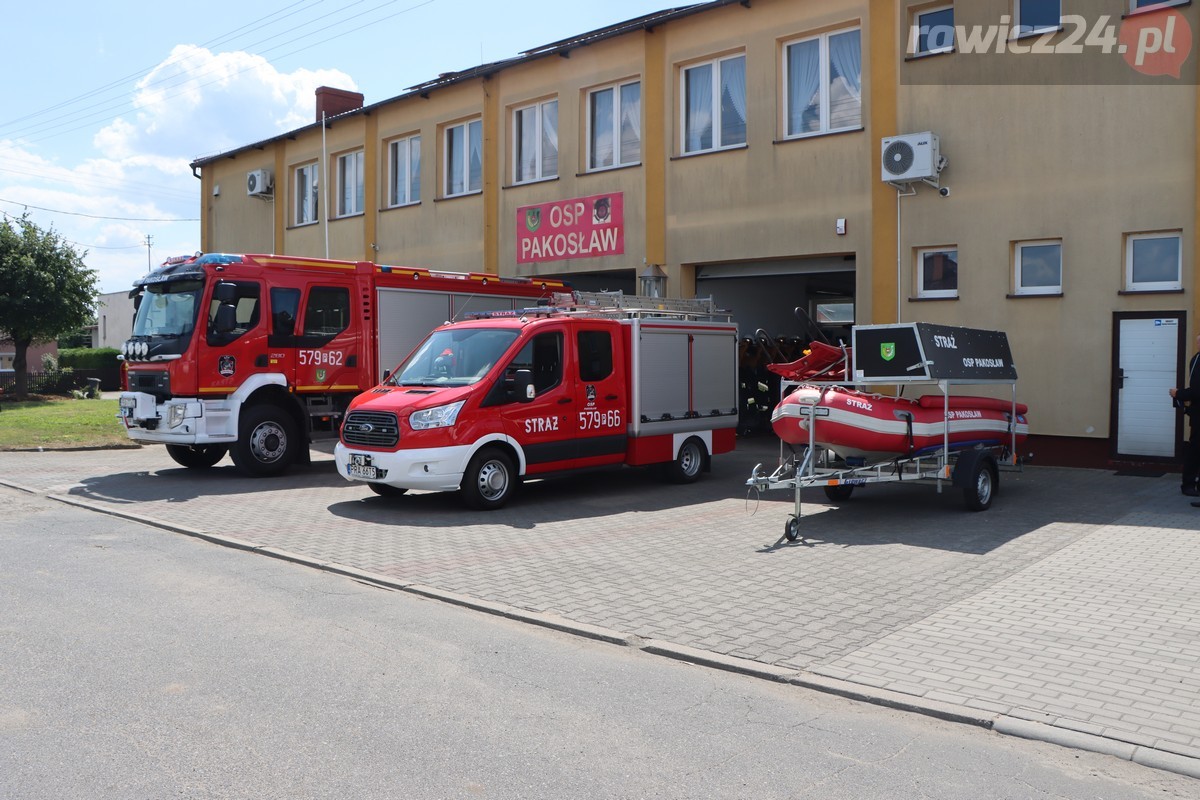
(225, 293)
(226, 318)
(523, 391)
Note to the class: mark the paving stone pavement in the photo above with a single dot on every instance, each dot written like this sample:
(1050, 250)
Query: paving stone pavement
(1072, 606)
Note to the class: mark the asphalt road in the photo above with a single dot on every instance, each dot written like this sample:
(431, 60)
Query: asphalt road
(137, 663)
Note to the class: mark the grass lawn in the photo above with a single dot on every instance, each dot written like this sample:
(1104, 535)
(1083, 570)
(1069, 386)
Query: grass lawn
(57, 423)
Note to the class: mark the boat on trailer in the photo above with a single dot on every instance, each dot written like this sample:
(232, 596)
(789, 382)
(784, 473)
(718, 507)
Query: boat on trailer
(842, 435)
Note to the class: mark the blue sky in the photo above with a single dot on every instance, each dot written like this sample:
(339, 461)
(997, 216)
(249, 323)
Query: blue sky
(104, 105)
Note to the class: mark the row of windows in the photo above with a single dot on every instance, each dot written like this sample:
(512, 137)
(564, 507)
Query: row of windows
(822, 93)
(932, 29)
(1153, 263)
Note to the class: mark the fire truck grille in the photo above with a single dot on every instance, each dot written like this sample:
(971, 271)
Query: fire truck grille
(371, 429)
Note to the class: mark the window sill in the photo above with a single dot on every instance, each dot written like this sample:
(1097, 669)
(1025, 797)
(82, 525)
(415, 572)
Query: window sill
(817, 135)
(602, 170)
(348, 216)
(930, 54)
(919, 299)
(1134, 292)
(299, 225)
(444, 198)
(1029, 295)
(508, 186)
(402, 205)
(713, 151)
(1035, 33)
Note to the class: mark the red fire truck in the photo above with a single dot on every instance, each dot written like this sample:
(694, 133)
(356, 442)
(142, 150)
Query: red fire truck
(258, 355)
(592, 380)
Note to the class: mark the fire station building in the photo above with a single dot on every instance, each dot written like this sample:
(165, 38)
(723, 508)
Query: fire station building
(1028, 166)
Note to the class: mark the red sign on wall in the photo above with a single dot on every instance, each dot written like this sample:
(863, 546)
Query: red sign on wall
(584, 227)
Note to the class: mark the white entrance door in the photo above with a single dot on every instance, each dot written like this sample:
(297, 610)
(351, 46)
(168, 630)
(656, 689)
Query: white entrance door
(1148, 358)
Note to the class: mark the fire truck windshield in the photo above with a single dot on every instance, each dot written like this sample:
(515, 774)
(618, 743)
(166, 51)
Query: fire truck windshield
(168, 309)
(454, 357)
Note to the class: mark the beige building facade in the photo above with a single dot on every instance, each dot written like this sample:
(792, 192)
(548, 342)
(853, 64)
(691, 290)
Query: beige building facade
(738, 150)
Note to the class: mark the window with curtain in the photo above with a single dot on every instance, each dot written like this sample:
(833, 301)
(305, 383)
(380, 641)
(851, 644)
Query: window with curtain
(535, 142)
(823, 83)
(306, 194)
(615, 126)
(464, 158)
(404, 157)
(350, 184)
(714, 105)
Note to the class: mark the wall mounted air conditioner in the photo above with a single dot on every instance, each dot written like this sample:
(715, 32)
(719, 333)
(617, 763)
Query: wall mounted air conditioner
(912, 157)
(259, 183)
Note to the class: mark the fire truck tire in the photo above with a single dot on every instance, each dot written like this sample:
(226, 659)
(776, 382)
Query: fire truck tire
(199, 457)
(489, 480)
(267, 442)
(384, 490)
(688, 463)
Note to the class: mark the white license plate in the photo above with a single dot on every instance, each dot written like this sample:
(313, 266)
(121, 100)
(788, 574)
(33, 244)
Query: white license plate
(360, 467)
(128, 402)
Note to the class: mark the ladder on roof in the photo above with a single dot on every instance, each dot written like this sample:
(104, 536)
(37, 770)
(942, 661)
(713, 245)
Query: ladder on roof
(631, 305)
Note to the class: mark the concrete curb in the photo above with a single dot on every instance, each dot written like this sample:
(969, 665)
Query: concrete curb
(1010, 723)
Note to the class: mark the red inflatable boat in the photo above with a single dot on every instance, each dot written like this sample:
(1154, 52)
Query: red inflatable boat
(872, 426)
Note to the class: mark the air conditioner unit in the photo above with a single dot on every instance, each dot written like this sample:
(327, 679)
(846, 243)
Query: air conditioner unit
(911, 157)
(259, 183)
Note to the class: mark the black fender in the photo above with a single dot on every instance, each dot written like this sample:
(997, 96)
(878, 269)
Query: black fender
(964, 466)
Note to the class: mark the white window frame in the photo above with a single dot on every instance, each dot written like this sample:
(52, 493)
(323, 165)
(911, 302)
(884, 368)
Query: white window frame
(307, 203)
(618, 161)
(1134, 8)
(1153, 286)
(538, 115)
(825, 127)
(350, 176)
(922, 292)
(1017, 33)
(915, 32)
(400, 165)
(467, 126)
(1018, 263)
(714, 105)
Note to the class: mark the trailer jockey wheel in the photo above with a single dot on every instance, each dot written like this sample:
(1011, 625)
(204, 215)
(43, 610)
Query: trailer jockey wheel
(267, 442)
(791, 529)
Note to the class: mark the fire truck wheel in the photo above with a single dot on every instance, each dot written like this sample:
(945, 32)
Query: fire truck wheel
(267, 443)
(489, 480)
(384, 490)
(688, 464)
(200, 457)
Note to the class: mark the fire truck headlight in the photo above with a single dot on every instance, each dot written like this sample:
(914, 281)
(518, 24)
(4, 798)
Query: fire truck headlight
(175, 418)
(440, 417)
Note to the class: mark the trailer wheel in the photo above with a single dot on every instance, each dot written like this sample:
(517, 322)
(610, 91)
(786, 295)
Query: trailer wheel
(384, 490)
(791, 529)
(489, 480)
(984, 482)
(840, 493)
(267, 443)
(689, 462)
(199, 457)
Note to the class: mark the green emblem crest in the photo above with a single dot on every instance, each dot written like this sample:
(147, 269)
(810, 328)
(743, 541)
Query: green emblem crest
(887, 351)
(533, 219)
(320, 376)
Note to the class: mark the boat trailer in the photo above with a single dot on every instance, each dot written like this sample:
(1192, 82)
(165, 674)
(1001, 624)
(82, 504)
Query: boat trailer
(930, 354)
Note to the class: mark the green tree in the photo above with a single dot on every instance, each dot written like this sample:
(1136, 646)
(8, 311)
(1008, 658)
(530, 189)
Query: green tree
(45, 289)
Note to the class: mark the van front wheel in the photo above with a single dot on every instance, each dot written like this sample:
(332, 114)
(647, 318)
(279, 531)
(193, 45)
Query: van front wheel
(489, 480)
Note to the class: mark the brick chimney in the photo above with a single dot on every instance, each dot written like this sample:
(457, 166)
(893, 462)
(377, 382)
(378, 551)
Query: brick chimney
(332, 101)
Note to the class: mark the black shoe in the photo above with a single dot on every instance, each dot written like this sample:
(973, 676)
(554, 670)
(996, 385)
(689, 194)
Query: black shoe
(1196, 503)
(1191, 491)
